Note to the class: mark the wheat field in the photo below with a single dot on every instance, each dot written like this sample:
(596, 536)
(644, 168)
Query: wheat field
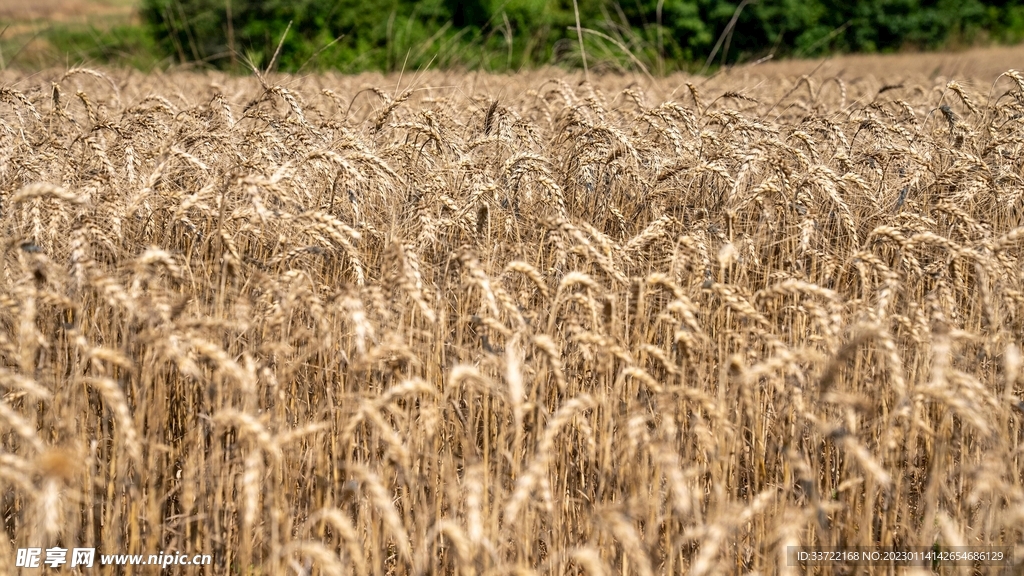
(467, 324)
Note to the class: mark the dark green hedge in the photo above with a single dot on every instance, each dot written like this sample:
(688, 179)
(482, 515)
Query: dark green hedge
(353, 35)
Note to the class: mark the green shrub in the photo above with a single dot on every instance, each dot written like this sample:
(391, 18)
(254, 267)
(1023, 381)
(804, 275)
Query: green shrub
(370, 35)
(123, 44)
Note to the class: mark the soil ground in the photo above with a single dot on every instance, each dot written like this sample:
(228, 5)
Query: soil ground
(974, 63)
(13, 11)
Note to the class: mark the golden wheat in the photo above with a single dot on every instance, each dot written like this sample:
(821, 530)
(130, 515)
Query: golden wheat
(529, 324)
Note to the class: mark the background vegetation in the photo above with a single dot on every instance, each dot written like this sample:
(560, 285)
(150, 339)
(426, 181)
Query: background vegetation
(509, 34)
(500, 35)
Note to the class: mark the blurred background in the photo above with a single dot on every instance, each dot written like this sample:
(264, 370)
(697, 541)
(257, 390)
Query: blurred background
(654, 36)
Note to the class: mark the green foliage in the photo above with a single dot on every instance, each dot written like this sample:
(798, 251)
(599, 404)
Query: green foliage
(816, 27)
(76, 43)
(661, 35)
(346, 34)
(127, 44)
